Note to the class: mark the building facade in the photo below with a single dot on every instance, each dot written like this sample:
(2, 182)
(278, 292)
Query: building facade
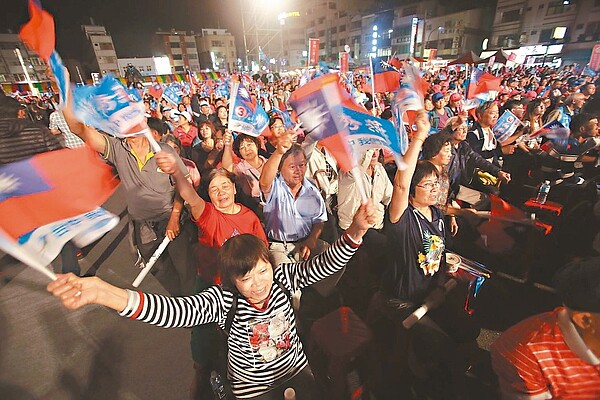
(180, 47)
(103, 49)
(219, 46)
(541, 25)
(11, 69)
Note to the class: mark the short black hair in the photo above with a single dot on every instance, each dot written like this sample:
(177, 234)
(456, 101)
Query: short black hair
(240, 138)
(423, 169)
(578, 121)
(578, 285)
(238, 256)
(295, 149)
(274, 118)
(434, 144)
(157, 125)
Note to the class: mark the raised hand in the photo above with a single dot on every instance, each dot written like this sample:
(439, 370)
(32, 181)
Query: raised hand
(166, 162)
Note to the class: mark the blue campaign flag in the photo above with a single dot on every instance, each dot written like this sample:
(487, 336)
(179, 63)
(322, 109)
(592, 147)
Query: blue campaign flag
(285, 117)
(507, 125)
(172, 95)
(62, 77)
(589, 72)
(245, 114)
(367, 131)
(108, 108)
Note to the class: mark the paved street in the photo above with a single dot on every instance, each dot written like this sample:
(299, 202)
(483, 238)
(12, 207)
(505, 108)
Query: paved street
(48, 352)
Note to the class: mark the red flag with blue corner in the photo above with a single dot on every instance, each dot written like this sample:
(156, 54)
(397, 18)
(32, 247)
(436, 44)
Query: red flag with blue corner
(52, 186)
(386, 78)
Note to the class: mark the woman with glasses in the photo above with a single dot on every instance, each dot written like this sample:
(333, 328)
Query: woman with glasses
(416, 272)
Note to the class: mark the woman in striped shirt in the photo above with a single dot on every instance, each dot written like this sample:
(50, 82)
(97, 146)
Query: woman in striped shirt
(265, 354)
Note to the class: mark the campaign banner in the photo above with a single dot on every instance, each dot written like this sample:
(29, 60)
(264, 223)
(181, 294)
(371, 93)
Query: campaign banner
(343, 57)
(506, 126)
(172, 95)
(313, 52)
(107, 107)
(245, 114)
(46, 242)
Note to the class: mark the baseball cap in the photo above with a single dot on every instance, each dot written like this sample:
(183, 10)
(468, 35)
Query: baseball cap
(204, 103)
(186, 115)
(437, 97)
(578, 285)
(455, 97)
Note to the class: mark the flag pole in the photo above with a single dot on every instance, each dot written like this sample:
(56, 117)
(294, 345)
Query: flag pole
(161, 248)
(373, 85)
(360, 186)
(33, 90)
(10, 247)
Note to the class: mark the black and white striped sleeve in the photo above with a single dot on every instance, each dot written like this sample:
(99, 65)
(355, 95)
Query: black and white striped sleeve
(174, 312)
(320, 267)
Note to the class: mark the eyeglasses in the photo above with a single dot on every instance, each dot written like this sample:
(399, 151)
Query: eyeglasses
(429, 185)
(277, 126)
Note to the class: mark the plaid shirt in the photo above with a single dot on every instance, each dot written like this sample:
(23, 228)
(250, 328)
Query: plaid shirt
(57, 122)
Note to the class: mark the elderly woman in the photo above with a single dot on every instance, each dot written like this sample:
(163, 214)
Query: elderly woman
(265, 354)
(217, 221)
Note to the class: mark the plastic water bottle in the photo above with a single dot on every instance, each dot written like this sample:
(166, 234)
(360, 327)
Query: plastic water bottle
(217, 385)
(542, 195)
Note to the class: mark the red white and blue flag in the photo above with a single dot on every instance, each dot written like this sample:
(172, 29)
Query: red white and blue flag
(52, 186)
(38, 34)
(47, 188)
(246, 115)
(483, 85)
(156, 90)
(385, 77)
(551, 130)
(313, 103)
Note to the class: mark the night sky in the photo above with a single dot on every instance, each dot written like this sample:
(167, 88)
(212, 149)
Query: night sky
(130, 22)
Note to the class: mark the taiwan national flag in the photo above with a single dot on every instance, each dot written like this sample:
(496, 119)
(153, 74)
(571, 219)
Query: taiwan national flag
(52, 186)
(315, 103)
(245, 114)
(552, 130)
(156, 91)
(482, 83)
(386, 78)
(38, 33)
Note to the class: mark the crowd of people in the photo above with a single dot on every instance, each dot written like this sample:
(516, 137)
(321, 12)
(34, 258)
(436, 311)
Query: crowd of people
(255, 221)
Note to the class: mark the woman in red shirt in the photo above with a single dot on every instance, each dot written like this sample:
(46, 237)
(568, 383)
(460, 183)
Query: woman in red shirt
(217, 221)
